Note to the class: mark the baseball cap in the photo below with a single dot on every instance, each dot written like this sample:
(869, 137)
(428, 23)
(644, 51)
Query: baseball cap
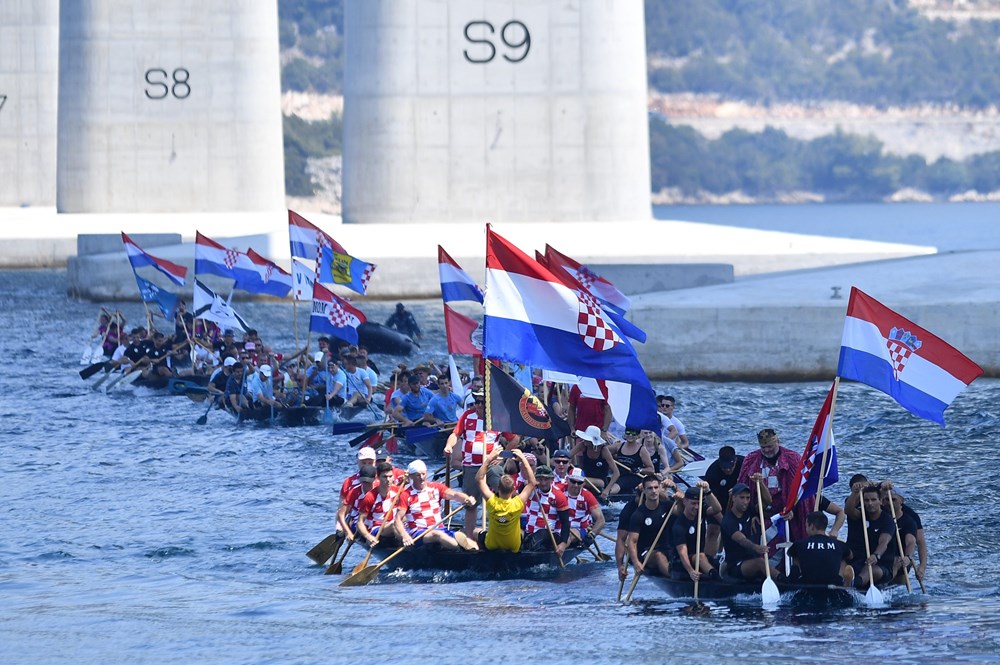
(229, 362)
(691, 493)
(367, 453)
(544, 472)
(265, 370)
(740, 487)
(576, 474)
(318, 356)
(561, 454)
(367, 472)
(416, 466)
(727, 455)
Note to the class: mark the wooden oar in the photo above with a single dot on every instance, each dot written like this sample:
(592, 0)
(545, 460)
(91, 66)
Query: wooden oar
(601, 556)
(326, 548)
(697, 541)
(645, 562)
(769, 594)
(873, 596)
(367, 574)
(899, 542)
(621, 587)
(552, 537)
(337, 567)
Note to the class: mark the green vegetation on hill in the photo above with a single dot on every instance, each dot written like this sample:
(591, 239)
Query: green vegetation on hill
(840, 166)
(314, 29)
(304, 139)
(877, 52)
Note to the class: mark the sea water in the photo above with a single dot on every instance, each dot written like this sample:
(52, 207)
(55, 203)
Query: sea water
(130, 533)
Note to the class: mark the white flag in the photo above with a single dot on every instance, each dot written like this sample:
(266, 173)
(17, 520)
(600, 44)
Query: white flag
(303, 277)
(209, 306)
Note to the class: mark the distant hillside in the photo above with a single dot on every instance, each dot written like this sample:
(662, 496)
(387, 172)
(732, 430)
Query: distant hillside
(879, 52)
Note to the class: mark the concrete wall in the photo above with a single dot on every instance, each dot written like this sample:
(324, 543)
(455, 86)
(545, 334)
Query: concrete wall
(450, 115)
(789, 326)
(29, 60)
(169, 106)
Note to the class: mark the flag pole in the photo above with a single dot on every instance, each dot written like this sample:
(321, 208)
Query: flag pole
(295, 321)
(826, 445)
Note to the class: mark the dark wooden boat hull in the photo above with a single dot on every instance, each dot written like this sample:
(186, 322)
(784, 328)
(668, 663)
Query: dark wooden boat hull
(484, 563)
(810, 594)
(298, 416)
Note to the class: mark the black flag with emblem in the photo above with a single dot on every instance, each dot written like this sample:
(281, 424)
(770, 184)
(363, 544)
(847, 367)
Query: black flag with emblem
(513, 408)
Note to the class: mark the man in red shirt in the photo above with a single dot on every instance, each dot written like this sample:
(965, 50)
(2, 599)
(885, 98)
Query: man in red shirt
(587, 411)
(585, 516)
(419, 509)
(347, 513)
(547, 511)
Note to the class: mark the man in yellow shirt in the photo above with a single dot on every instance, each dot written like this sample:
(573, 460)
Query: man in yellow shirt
(504, 508)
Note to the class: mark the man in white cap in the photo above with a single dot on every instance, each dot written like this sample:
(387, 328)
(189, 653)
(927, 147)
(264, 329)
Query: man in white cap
(366, 457)
(585, 516)
(419, 509)
(261, 388)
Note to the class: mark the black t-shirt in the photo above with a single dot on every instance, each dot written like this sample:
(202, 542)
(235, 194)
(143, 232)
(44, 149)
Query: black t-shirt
(625, 516)
(731, 524)
(856, 538)
(647, 522)
(683, 532)
(819, 558)
(907, 526)
(135, 351)
(720, 483)
(219, 380)
(913, 515)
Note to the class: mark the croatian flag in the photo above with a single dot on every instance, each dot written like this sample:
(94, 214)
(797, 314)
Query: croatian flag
(209, 306)
(211, 258)
(464, 334)
(534, 319)
(138, 257)
(303, 277)
(601, 288)
(806, 481)
(339, 268)
(151, 293)
(626, 326)
(306, 238)
(456, 285)
(271, 278)
(888, 352)
(333, 315)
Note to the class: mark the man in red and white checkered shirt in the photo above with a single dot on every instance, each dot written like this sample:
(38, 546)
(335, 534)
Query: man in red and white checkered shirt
(477, 443)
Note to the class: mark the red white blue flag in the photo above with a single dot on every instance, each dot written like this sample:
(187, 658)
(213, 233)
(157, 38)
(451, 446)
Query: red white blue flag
(560, 271)
(306, 238)
(806, 481)
(332, 315)
(600, 288)
(271, 278)
(532, 318)
(464, 334)
(139, 257)
(893, 354)
(456, 284)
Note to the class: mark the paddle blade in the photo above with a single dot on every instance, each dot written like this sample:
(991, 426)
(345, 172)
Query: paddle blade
(769, 594)
(362, 577)
(88, 372)
(874, 597)
(336, 568)
(202, 419)
(325, 549)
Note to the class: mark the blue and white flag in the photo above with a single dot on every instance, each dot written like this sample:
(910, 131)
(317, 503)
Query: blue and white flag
(270, 278)
(534, 319)
(151, 293)
(303, 278)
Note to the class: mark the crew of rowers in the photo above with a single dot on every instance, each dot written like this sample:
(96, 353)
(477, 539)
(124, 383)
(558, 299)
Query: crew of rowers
(660, 530)
(531, 507)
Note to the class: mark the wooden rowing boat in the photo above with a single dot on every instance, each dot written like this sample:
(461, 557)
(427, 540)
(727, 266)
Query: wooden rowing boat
(485, 563)
(821, 595)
